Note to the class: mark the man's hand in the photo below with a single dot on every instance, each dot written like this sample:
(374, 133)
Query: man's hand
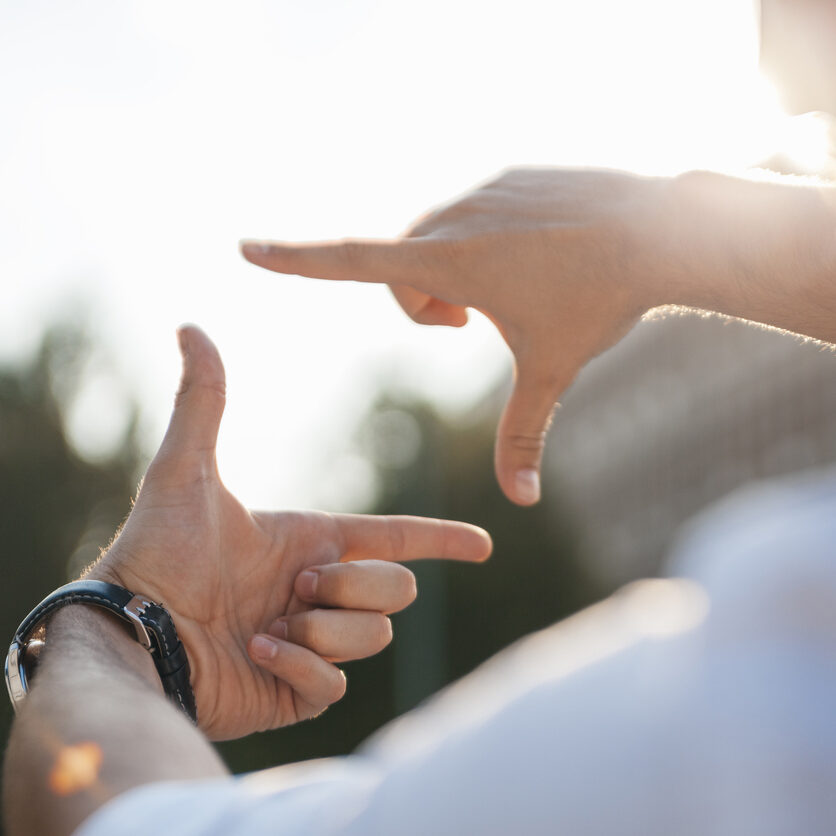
(564, 262)
(559, 260)
(263, 602)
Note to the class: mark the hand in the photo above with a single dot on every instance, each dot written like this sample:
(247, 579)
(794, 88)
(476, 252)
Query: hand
(244, 587)
(563, 263)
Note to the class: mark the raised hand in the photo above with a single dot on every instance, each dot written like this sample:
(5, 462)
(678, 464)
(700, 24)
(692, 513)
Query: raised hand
(247, 589)
(563, 262)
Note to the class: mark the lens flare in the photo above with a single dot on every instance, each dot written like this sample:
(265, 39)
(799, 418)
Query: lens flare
(76, 768)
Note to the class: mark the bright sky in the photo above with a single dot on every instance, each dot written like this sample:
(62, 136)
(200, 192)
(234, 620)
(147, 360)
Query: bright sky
(140, 140)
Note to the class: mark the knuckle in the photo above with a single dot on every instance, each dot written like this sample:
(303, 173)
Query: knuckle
(341, 581)
(450, 250)
(309, 629)
(426, 224)
(306, 669)
(174, 466)
(524, 442)
(452, 212)
(213, 392)
(336, 584)
(352, 251)
(397, 538)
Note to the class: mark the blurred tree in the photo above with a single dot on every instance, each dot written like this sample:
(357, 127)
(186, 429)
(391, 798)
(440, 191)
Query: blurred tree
(56, 509)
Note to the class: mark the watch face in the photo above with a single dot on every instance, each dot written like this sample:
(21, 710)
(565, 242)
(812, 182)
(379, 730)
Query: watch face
(798, 52)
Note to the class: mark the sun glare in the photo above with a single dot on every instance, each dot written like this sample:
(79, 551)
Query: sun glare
(807, 142)
(145, 163)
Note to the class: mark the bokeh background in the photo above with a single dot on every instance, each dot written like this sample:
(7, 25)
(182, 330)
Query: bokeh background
(140, 140)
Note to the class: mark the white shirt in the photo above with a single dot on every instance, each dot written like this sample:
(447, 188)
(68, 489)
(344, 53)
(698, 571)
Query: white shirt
(701, 704)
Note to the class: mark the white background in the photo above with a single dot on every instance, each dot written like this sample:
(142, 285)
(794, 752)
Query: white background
(140, 140)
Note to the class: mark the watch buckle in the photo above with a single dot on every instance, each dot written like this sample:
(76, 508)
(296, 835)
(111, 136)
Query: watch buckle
(133, 610)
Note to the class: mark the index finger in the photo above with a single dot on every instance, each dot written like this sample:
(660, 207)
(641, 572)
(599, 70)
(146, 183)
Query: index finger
(399, 261)
(402, 538)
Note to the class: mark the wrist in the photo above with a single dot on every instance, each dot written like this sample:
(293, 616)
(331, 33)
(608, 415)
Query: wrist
(91, 626)
(86, 642)
(763, 250)
(650, 232)
(706, 241)
(103, 640)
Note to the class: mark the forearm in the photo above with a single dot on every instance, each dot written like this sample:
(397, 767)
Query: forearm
(95, 724)
(760, 250)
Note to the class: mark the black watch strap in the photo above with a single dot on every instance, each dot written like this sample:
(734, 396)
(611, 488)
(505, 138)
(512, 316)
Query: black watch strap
(154, 630)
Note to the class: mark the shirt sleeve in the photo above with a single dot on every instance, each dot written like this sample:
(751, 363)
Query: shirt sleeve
(316, 797)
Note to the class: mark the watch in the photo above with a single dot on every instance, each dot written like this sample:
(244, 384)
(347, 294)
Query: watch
(154, 631)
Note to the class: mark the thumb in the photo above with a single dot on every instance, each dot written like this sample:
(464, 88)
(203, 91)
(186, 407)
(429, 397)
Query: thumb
(200, 400)
(521, 436)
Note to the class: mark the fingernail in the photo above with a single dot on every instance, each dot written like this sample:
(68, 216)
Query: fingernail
(306, 584)
(264, 647)
(183, 341)
(528, 485)
(278, 629)
(254, 248)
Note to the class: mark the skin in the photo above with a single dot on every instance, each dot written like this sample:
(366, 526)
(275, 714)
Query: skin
(96, 687)
(263, 602)
(565, 262)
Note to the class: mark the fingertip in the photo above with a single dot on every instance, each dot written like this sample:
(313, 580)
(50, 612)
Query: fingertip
(477, 544)
(191, 336)
(412, 591)
(455, 318)
(459, 319)
(527, 486)
(306, 584)
(183, 340)
(387, 631)
(278, 629)
(253, 250)
(486, 544)
(522, 496)
(263, 649)
(202, 361)
(517, 466)
(523, 428)
(341, 686)
(438, 312)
